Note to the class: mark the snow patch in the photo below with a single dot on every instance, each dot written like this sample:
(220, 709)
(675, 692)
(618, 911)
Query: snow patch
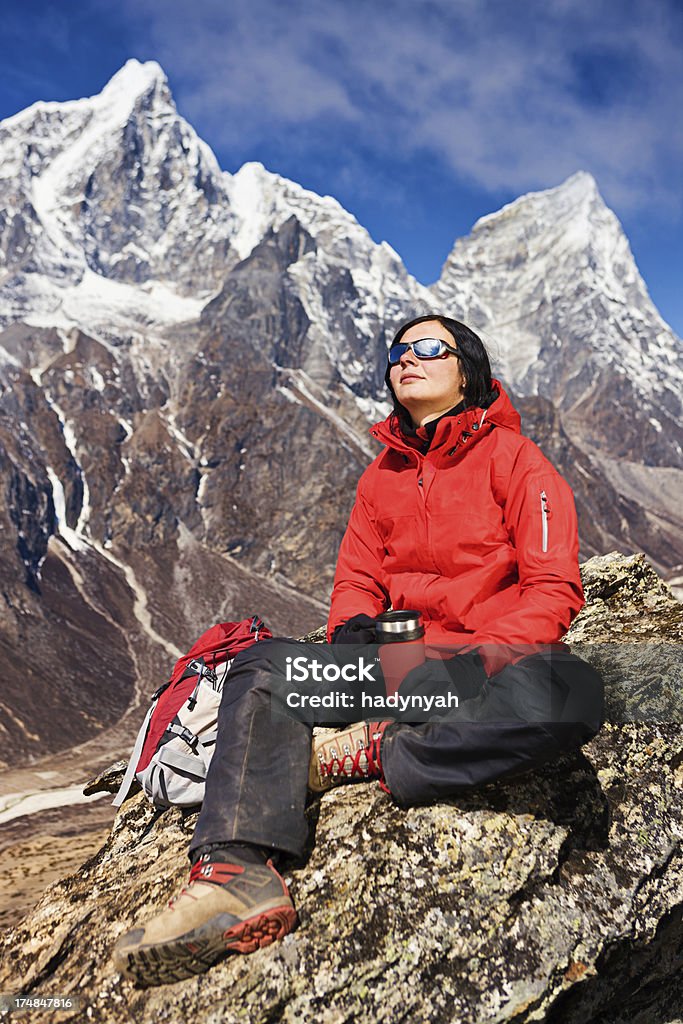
(16, 805)
(127, 426)
(97, 379)
(70, 442)
(71, 536)
(186, 446)
(201, 490)
(301, 382)
(289, 395)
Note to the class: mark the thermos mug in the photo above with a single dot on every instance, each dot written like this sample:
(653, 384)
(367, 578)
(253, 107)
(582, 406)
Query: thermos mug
(400, 635)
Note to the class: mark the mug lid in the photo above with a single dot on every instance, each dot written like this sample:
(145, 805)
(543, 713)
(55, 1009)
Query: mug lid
(398, 621)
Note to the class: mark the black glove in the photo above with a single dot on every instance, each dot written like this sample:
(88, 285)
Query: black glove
(464, 674)
(430, 679)
(360, 629)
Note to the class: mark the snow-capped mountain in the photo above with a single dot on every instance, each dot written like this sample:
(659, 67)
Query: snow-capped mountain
(118, 186)
(117, 216)
(551, 280)
(189, 361)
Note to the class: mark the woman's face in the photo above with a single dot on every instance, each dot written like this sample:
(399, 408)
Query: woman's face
(427, 387)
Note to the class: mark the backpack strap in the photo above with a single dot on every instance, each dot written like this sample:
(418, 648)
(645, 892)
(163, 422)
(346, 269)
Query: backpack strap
(174, 729)
(128, 778)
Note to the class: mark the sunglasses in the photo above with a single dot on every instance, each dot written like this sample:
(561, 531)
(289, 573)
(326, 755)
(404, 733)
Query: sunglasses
(423, 348)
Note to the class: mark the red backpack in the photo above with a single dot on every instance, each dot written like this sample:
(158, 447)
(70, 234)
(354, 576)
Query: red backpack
(178, 736)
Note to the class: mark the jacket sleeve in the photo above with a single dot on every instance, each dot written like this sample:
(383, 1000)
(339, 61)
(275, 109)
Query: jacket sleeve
(540, 518)
(359, 582)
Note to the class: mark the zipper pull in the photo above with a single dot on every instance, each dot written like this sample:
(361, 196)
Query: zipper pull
(545, 515)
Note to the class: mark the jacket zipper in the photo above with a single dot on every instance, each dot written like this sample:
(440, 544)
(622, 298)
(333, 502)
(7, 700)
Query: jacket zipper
(544, 519)
(423, 504)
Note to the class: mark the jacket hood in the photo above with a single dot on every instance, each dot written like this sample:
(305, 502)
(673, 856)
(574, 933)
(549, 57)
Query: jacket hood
(501, 413)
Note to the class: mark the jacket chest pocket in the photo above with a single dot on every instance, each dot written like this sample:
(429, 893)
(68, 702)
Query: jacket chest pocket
(404, 541)
(464, 541)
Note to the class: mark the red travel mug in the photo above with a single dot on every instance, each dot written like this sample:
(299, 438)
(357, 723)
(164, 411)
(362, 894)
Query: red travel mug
(401, 638)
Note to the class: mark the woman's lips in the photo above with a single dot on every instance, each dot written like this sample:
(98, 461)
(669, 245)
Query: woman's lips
(409, 376)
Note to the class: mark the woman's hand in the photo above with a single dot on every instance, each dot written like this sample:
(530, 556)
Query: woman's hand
(359, 629)
(464, 673)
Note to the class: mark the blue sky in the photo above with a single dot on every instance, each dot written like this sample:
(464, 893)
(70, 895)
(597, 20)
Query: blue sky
(418, 115)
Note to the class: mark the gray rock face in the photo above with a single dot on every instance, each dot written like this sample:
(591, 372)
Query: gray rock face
(556, 897)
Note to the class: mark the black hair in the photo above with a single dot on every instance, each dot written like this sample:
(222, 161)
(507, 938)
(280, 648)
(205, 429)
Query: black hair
(473, 357)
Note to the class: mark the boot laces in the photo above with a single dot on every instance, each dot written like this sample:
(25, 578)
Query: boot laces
(207, 872)
(364, 763)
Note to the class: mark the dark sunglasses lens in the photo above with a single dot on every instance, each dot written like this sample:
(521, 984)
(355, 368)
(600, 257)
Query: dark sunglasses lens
(425, 348)
(428, 348)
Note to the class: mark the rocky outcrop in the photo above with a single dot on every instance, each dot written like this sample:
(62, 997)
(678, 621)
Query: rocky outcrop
(555, 897)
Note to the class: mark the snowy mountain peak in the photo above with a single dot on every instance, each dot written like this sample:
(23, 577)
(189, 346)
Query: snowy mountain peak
(562, 234)
(132, 82)
(552, 283)
(62, 142)
(134, 79)
(115, 187)
(261, 200)
(577, 200)
(135, 86)
(581, 183)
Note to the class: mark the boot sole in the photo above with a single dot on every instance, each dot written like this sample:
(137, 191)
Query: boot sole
(184, 958)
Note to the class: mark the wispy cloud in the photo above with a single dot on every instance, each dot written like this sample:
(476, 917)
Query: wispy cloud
(511, 95)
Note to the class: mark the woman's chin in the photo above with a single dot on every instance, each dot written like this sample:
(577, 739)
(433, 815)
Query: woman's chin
(411, 395)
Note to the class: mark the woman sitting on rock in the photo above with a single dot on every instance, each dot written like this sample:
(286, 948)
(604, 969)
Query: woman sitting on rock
(462, 518)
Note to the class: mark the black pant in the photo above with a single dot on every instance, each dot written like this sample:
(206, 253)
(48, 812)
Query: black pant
(256, 789)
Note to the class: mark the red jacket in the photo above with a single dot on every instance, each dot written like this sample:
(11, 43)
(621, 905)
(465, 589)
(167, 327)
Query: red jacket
(479, 534)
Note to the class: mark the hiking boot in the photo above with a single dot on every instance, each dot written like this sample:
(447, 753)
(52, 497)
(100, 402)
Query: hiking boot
(233, 907)
(350, 755)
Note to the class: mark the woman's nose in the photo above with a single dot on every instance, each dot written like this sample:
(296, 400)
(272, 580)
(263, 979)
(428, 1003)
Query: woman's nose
(408, 357)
